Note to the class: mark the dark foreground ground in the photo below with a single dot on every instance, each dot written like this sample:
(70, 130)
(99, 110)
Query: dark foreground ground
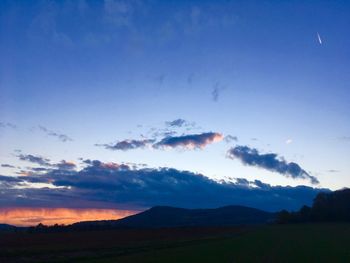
(274, 243)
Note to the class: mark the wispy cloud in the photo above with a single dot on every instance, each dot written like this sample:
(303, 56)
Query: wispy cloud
(269, 161)
(7, 125)
(319, 38)
(35, 159)
(5, 165)
(333, 171)
(289, 141)
(178, 123)
(216, 91)
(230, 138)
(46, 162)
(62, 137)
(128, 144)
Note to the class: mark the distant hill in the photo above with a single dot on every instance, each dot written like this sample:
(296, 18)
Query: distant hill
(7, 228)
(165, 216)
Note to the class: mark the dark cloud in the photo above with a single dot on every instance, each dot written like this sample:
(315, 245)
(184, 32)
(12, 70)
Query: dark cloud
(5, 165)
(166, 138)
(111, 185)
(35, 159)
(128, 144)
(176, 123)
(48, 165)
(181, 123)
(215, 94)
(270, 161)
(345, 138)
(60, 136)
(96, 164)
(37, 169)
(65, 165)
(191, 141)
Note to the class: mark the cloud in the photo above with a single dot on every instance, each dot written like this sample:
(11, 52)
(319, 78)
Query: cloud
(215, 94)
(35, 159)
(5, 165)
(48, 165)
(217, 89)
(128, 144)
(65, 165)
(167, 138)
(36, 169)
(333, 171)
(112, 185)
(9, 179)
(172, 128)
(230, 138)
(7, 125)
(270, 161)
(289, 141)
(319, 38)
(179, 123)
(191, 141)
(176, 123)
(60, 136)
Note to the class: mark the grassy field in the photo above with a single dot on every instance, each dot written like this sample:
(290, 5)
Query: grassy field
(275, 243)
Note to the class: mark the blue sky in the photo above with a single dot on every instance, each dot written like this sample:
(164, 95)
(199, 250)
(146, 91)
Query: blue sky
(102, 72)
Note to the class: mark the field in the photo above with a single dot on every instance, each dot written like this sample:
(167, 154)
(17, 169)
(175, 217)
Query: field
(273, 243)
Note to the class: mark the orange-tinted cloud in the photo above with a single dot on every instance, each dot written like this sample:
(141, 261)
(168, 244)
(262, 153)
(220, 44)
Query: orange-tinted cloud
(190, 141)
(51, 216)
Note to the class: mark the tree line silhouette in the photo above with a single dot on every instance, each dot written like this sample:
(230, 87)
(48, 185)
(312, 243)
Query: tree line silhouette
(327, 207)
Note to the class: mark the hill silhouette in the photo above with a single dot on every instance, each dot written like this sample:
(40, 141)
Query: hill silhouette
(165, 216)
(7, 228)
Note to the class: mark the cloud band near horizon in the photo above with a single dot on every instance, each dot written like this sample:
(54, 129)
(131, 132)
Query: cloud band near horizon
(110, 185)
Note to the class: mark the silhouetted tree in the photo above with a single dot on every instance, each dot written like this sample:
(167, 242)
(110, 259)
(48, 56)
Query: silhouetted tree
(333, 206)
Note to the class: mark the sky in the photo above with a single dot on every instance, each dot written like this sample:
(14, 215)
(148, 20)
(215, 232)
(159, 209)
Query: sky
(111, 107)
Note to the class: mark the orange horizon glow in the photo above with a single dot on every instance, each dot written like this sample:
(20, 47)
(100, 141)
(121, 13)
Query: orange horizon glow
(49, 216)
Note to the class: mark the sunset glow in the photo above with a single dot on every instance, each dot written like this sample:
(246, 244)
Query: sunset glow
(51, 216)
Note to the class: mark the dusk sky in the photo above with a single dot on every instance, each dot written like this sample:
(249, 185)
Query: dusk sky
(111, 107)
